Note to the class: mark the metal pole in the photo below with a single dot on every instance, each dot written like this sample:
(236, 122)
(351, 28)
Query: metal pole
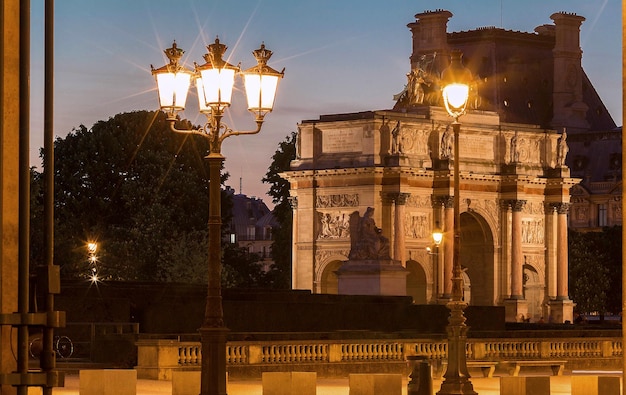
(48, 360)
(24, 192)
(213, 331)
(456, 379)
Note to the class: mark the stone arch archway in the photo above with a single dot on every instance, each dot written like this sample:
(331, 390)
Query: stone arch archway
(533, 293)
(477, 259)
(416, 283)
(328, 278)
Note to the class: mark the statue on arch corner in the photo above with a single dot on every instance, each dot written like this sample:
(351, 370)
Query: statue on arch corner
(366, 239)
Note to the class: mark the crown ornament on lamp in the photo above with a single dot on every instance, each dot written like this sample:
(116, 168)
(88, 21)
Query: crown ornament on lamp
(214, 82)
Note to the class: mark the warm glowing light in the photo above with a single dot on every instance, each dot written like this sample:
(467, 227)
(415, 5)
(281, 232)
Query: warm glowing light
(261, 91)
(203, 108)
(217, 86)
(437, 236)
(94, 278)
(172, 88)
(455, 96)
(92, 247)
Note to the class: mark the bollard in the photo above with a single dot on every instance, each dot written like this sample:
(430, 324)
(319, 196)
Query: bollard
(421, 382)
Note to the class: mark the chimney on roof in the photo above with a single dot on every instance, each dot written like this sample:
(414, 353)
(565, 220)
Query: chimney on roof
(569, 110)
(430, 36)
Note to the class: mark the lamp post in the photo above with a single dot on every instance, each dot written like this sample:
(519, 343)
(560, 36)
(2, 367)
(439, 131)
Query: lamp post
(214, 82)
(456, 80)
(437, 236)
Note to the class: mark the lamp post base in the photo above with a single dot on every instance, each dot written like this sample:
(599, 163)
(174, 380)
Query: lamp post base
(213, 375)
(457, 379)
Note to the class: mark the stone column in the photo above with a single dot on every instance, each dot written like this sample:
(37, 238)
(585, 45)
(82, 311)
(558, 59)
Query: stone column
(515, 307)
(561, 309)
(448, 245)
(561, 252)
(293, 202)
(517, 258)
(399, 249)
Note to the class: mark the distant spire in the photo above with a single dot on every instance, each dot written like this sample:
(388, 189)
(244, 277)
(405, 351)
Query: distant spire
(240, 185)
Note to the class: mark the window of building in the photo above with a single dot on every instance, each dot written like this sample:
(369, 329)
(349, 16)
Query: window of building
(602, 214)
(250, 232)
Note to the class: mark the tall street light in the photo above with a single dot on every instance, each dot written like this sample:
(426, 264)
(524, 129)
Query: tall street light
(456, 80)
(214, 82)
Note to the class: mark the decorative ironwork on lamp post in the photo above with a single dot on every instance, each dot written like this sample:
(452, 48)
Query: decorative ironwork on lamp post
(214, 82)
(456, 79)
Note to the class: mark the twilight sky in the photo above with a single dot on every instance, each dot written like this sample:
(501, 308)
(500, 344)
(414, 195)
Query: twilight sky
(340, 56)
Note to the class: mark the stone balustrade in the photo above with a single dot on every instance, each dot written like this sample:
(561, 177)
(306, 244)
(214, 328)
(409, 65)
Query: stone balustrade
(157, 358)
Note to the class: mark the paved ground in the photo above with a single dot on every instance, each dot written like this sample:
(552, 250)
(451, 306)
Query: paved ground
(484, 386)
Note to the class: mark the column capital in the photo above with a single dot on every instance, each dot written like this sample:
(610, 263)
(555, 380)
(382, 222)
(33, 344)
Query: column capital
(399, 198)
(514, 204)
(560, 207)
(447, 201)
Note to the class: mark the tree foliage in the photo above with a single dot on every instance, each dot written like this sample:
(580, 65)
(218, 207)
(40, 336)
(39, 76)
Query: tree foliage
(595, 270)
(137, 189)
(279, 191)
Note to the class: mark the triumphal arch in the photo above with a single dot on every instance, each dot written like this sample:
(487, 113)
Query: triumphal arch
(397, 165)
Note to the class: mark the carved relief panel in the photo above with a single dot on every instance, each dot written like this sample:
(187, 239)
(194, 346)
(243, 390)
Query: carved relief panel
(333, 215)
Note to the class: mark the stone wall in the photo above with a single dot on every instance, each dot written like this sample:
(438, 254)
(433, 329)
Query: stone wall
(179, 308)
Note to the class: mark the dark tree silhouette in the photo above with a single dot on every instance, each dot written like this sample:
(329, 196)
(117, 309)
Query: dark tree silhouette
(140, 191)
(280, 273)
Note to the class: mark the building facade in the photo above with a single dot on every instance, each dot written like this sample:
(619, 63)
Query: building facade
(251, 225)
(530, 98)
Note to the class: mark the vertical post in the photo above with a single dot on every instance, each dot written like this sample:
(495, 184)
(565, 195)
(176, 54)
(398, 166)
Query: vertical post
(10, 79)
(448, 246)
(24, 192)
(213, 331)
(456, 379)
(48, 360)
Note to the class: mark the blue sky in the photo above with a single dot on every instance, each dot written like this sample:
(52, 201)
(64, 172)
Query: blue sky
(340, 56)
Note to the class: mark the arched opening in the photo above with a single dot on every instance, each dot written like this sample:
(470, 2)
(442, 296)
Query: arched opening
(329, 278)
(416, 283)
(477, 260)
(533, 293)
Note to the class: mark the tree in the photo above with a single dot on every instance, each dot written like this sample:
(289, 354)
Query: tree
(280, 273)
(595, 270)
(140, 191)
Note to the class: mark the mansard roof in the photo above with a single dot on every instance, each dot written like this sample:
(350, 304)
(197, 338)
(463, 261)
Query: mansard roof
(515, 75)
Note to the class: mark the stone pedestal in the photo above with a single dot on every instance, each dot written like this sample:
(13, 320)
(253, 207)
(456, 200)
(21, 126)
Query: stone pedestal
(372, 277)
(525, 385)
(515, 309)
(595, 385)
(287, 383)
(108, 382)
(375, 384)
(562, 311)
(186, 382)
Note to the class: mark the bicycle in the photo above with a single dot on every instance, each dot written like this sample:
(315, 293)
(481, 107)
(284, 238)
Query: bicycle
(62, 345)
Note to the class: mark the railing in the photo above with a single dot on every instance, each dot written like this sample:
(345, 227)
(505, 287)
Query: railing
(156, 358)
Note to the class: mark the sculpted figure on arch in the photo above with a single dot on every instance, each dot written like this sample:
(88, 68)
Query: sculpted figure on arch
(366, 240)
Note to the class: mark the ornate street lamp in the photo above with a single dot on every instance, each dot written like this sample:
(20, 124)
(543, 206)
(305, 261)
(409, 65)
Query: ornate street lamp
(456, 79)
(214, 82)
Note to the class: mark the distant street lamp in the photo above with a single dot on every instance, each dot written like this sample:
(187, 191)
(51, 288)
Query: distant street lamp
(92, 247)
(456, 79)
(214, 82)
(437, 236)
